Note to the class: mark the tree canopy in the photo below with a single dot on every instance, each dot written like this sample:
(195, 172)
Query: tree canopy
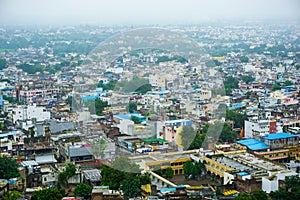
(248, 79)
(169, 172)
(230, 83)
(244, 59)
(123, 175)
(48, 193)
(192, 169)
(68, 173)
(3, 63)
(8, 168)
(132, 106)
(237, 117)
(83, 190)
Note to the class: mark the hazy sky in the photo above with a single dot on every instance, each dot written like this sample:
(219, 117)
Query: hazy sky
(143, 11)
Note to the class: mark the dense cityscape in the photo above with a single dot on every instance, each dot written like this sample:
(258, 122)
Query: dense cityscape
(185, 111)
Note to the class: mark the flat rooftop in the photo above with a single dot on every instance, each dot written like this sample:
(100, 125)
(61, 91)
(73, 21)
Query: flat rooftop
(277, 136)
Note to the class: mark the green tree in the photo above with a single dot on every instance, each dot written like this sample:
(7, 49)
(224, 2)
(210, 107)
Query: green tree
(144, 89)
(46, 194)
(192, 169)
(132, 106)
(145, 179)
(8, 168)
(247, 79)
(276, 87)
(197, 141)
(230, 83)
(210, 64)
(83, 190)
(99, 106)
(169, 172)
(132, 85)
(237, 117)
(126, 165)
(280, 194)
(292, 183)
(248, 94)
(71, 170)
(244, 59)
(108, 86)
(111, 177)
(12, 195)
(99, 147)
(244, 196)
(68, 173)
(288, 83)
(131, 186)
(227, 135)
(260, 195)
(3, 63)
(135, 119)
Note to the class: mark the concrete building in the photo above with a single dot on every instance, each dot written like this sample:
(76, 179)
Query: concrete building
(24, 113)
(170, 128)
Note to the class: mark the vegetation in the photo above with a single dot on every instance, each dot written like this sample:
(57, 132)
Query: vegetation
(129, 180)
(83, 190)
(11, 99)
(192, 170)
(277, 86)
(12, 195)
(99, 147)
(135, 119)
(244, 59)
(130, 186)
(248, 79)
(237, 117)
(68, 173)
(256, 195)
(212, 63)
(3, 63)
(230, 83)
(144, 89)
(132, 106)
(226, 135)
(136, 84)
(96, 106)
(169, 172)
(48, 193)
(8, 168)
(288, 83)
(174, 58)
(108, 86)
(197, 141)
(99, 106)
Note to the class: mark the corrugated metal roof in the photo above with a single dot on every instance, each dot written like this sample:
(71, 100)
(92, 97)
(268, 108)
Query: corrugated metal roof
(277, 136)
(253, 144)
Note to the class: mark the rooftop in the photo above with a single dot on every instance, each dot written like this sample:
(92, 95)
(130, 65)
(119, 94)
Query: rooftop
(253, 144)
(277, 136)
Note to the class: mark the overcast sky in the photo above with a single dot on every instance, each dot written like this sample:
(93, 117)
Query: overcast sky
(143, 11)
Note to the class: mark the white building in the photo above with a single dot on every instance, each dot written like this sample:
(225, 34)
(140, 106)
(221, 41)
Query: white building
(261, 128)
(271, 183)
(24, 113)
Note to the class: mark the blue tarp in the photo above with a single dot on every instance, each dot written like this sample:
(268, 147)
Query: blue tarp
(253, 144)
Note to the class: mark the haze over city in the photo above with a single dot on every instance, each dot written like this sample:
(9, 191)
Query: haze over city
(144, 11)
